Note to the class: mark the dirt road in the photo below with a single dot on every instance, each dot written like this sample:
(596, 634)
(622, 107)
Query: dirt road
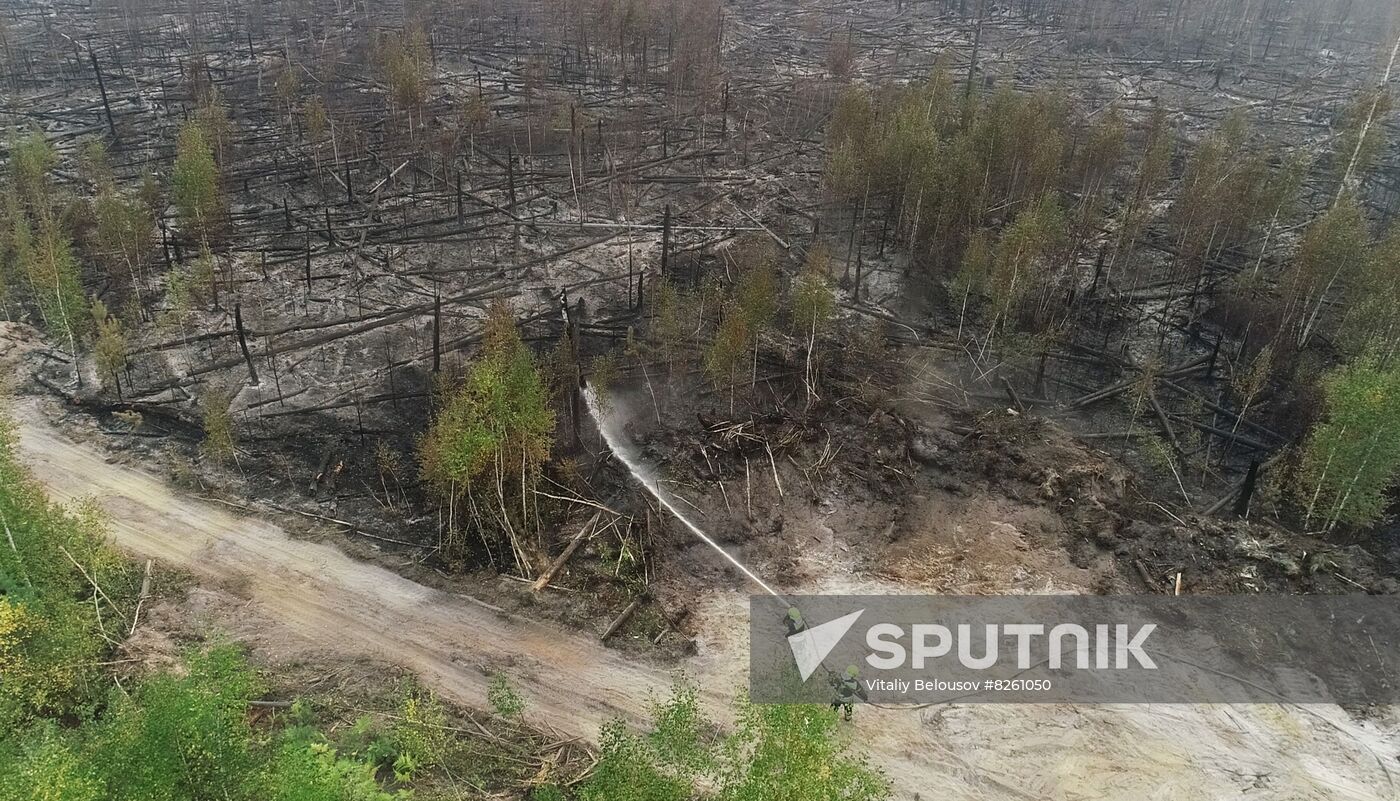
(337, 605)
(340, 604)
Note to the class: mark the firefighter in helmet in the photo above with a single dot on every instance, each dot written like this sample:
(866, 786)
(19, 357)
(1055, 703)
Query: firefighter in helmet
(794, 622)
(848, 691)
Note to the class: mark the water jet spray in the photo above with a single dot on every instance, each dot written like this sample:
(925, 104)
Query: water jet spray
(647, 477)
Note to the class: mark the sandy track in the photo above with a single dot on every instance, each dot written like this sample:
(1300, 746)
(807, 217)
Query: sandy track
(336, 604)
(343, 605)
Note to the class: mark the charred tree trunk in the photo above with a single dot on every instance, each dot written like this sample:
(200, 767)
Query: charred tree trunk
(1251, 478)
(666, 241)
(102, 88)
(437, 331)
(243, 342)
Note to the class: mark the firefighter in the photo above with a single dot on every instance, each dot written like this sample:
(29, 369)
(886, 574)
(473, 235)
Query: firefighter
(794, 622)
(848, 691)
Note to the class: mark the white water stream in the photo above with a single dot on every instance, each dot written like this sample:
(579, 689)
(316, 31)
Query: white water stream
(646, 476)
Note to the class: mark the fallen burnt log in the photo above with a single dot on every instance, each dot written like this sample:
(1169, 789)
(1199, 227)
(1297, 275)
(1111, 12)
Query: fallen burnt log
(1119, 387)
(187, 421)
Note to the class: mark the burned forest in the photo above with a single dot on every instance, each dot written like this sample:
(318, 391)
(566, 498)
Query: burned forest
(410, 392)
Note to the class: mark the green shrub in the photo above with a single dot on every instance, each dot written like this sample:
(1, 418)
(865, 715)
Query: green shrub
(505, 700)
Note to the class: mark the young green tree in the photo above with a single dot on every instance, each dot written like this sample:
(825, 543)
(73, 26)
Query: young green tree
(53, 275)
(813, 309)
(316, 119)
(1351, 459)
(793, 751)
(778, 752)
(306, 768)
(728, 350)
(1278, 197)
(212, 116)
(190, 286)
(195, 183)
(404, 59)
(1249, 383)
(288, 87)
(109, 349)
(68, 733)
(1096, 162)
(32, 159)
(94, 167)
(489, 440)
(1223, 196)
(505, 700)
(218, 443)
(475, 113)
(1026, 263)
(39, 246)
(603, 373)
(756, 292)
(48, 766)
(848, 140)
(1334, 254)
(1361, 139)
(51, 618)
(1371, 321)
(661, 765)
(1153, 167)
(420, 734)
(123, 236)
(183, 736)
(668, 322)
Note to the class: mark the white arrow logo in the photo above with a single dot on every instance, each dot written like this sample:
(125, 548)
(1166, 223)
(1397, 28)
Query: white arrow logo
(811, 646)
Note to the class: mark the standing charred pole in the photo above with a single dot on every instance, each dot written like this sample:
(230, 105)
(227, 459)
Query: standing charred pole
(666, 241)
(459, 197)
(437, 330)
(573, 330)
(243, 342)
(1251, 478)
(976, 45)
(102, 87)
(510, 181)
